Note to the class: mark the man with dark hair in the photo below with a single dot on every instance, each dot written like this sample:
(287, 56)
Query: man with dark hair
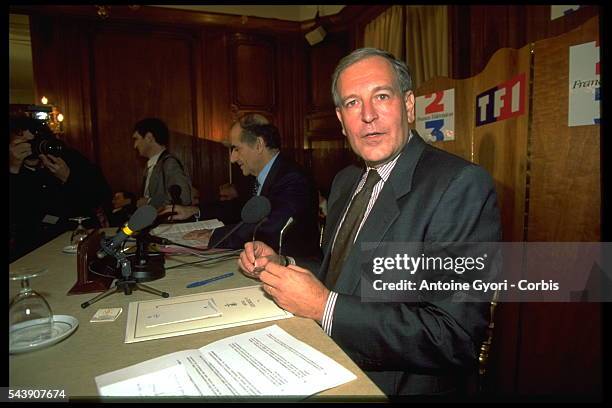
(151, 138)
(256, 149)
(124, 205)
(46, 190)
(406, 192)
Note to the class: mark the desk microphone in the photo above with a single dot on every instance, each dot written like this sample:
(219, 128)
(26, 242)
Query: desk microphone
(254, 211)
(142, 218)
(280, 238)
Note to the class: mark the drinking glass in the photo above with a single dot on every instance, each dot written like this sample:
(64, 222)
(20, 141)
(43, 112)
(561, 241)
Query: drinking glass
(79, 233)
(30, 316)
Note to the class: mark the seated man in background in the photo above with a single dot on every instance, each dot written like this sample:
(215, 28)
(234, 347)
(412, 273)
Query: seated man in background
(46, 190)
(124, 205)
(256, 149)
(233, 196)
(164, 170)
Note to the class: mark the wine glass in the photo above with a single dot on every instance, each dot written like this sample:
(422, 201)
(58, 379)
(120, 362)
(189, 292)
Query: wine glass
(79, 233)
(30, 316)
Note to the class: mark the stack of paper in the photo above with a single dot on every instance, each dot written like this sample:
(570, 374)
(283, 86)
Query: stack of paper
(175, 232)
(262, 362)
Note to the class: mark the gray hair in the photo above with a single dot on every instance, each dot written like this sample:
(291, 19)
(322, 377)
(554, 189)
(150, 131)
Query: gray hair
(401, 70)
(253, 119)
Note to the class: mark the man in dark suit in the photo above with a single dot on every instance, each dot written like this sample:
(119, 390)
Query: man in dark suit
(256, 149)
(408, 192)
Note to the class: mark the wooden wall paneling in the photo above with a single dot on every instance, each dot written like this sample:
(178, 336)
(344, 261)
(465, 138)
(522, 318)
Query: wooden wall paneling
(540, 26)
(463, 145)
(564, 205)
(253, 73)
(493, 28)
(148, 75)
(216, 85)
(291, 92)
(501, 146)
(328, 151)
(60, 56)
(478, 31)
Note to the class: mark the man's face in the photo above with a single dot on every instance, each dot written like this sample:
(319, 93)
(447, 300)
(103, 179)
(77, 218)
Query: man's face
(248, 157)
(142, 144)
(373, 112)
(119, 200)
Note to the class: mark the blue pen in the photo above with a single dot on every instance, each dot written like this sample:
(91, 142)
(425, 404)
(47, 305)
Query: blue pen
(207, 281)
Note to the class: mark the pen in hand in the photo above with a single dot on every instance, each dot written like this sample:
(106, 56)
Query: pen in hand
(209, 280)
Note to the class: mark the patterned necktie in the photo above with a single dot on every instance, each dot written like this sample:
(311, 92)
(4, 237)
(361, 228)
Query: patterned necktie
(255, 187)
(348, 230)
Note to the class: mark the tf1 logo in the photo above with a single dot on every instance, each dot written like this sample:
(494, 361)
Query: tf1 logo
(501, 102)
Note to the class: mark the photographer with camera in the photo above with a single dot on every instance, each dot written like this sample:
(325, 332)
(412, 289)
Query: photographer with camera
(49, 183)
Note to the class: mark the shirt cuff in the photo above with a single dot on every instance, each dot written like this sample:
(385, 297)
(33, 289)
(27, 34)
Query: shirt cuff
(328, 313)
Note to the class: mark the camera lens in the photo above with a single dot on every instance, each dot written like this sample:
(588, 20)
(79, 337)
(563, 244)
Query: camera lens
(45, 144)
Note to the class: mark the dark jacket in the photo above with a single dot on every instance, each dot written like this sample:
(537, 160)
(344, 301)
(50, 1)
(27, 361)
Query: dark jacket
(40, 205)
(292, 194)
(429, 345)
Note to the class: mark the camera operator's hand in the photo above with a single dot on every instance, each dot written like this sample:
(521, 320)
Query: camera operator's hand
(57, 166)
(19, 149)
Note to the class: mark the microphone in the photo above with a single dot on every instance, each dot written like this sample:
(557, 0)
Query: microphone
(280, 239)
(142, 218)
(175, 194)
(255, 210)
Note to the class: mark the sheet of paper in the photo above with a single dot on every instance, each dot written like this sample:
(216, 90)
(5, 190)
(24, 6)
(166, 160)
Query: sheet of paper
(235, 307)
(262, 362)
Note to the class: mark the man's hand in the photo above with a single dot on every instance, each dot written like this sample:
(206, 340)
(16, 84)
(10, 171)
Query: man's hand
(200, 235)
(56, 165)
(19, 149)
(255, 257)
(179, 212)
(227, 192)
(296, 290)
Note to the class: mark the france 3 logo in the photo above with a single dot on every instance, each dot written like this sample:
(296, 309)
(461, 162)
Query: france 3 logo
(501, 102)
(584, 85)
(435, 114)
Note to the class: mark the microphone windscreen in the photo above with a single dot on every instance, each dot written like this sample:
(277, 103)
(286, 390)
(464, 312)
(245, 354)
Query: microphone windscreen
(142, 218)
(255, 210)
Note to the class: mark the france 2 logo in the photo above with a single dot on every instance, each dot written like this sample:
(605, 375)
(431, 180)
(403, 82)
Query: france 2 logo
(435, 116)
(501, 102)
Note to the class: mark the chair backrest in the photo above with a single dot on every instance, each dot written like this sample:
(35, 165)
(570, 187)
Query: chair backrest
(485, 347)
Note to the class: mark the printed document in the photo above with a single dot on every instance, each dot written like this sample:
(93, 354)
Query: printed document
(204, 311)
(262, 362)
(175, 232)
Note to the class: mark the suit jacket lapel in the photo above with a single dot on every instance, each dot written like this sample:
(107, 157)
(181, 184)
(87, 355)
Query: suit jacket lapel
(383, 214)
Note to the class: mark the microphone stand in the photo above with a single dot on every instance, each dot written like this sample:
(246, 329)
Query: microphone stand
(127, 282)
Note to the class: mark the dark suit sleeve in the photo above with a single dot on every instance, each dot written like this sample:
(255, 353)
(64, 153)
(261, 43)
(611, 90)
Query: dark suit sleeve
(426, 336)
(175, 175)
(289, 195)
